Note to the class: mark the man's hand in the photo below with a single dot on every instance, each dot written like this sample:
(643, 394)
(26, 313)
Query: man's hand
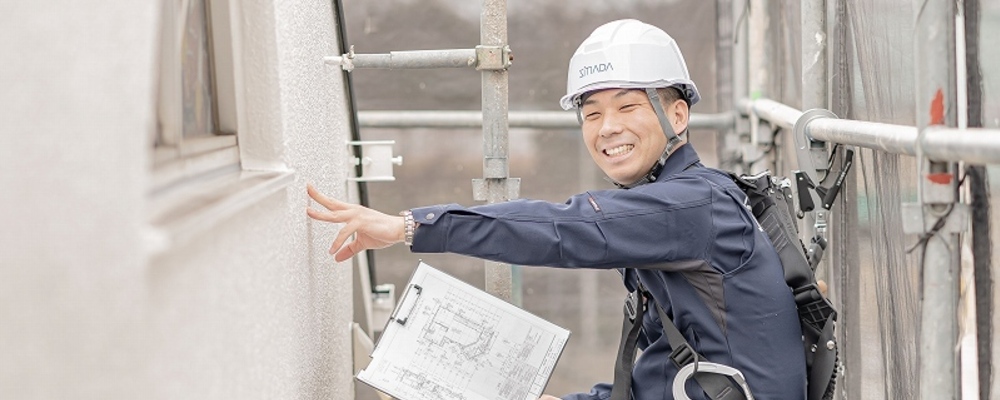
(374, 230)
(547, 397)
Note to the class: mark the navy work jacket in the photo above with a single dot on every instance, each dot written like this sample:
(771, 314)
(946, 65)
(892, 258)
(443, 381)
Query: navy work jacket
(724, 287)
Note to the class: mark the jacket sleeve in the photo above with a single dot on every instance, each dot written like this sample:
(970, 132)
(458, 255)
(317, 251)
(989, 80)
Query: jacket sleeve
(598, 229)
(600, 391)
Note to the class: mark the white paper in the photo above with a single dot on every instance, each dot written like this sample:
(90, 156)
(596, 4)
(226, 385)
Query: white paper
(448, 340)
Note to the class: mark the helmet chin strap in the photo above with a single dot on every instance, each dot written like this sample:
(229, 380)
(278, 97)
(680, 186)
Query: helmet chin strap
(673, 140)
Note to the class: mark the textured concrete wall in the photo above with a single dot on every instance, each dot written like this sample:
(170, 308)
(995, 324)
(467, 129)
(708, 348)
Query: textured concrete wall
(76, 93)
(253, 308)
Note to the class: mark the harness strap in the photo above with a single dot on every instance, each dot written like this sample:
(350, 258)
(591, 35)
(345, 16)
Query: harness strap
(634, 309)
(717, 387)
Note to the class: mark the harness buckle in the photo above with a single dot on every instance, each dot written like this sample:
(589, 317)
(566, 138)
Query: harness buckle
(683, 355)
(631, 306)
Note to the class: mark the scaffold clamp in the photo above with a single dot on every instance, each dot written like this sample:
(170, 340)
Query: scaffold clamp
(491, 58)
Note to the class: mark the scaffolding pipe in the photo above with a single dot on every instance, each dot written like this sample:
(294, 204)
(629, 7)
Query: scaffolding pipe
(759, 57)
(726, 148)
(814, 95)
(516, 119)
(813, 35)
(495, 183)
(895, 139)
(771, 111)
(740, 62)
(936, 105)
(450, 58)
(970, 145)
(759, 48)
(740, 77)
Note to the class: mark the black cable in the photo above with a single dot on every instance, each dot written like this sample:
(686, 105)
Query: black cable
(926, 236)
(829, 163)
(352, 109)
(767, 150)
(982, 247)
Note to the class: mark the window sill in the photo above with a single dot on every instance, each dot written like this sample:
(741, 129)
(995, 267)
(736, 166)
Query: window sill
(193, 158)
(189, 210)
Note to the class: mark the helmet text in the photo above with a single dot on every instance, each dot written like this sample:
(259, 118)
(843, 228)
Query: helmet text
(590, 69)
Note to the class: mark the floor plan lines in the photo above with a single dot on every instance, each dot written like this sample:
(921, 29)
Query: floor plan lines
(459, 343)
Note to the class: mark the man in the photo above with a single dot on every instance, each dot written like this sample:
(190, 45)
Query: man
(720, 280)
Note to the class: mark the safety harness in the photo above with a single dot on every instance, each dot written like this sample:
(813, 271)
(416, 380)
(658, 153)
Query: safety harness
(720, 382)
(769, 202)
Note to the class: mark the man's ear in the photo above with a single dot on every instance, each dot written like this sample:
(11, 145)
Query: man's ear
(678, 114)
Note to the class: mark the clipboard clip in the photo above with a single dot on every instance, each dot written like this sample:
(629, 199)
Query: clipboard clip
(406, 304)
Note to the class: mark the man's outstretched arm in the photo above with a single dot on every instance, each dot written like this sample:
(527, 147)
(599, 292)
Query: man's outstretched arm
(375, 230)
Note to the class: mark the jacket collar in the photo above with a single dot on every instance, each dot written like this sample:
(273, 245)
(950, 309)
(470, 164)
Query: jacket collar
(682, 158)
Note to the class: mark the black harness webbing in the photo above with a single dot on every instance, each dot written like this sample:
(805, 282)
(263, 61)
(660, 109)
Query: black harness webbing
(772, 208)
(717, 387)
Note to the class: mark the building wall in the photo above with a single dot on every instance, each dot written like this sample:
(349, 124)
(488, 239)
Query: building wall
(253, 306)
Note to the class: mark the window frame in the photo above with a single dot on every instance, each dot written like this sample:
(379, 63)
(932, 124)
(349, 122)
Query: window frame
(198, 182)
(176, 158)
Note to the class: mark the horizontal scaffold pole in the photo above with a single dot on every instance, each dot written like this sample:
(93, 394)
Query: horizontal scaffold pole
(450, 58)
(518, 119)
(971, 145)
(483, 58)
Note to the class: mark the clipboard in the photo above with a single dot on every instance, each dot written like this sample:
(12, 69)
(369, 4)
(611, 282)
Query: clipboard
(447, 340)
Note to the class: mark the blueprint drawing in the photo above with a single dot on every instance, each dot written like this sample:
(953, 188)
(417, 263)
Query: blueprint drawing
(448, 340)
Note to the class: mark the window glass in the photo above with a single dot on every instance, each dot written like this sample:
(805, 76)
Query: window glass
(197, 81)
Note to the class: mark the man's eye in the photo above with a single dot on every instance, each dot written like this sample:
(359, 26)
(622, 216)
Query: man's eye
(628, 107)
(592, 116)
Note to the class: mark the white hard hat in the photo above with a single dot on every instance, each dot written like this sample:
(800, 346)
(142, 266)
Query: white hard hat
(627, 54)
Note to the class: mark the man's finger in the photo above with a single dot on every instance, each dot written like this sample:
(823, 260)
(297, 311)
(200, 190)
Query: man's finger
(349, 251)
(821, 285)
(324, 201)
(328, 216)
(317, 215)
(342, 237)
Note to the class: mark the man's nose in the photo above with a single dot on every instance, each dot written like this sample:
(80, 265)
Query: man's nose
(610, 125)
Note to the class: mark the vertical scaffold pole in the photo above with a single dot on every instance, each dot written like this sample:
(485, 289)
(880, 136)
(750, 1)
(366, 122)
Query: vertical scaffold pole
(814, 64)
(727, 144)
(759, 52)
(495, 186)
(936, 105)
(759, 49)
(814, 95)
(741, 63)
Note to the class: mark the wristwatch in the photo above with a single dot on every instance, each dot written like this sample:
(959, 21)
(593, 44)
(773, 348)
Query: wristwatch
(408, 227)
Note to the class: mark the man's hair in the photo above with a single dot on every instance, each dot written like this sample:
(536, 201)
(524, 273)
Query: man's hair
(669, 95)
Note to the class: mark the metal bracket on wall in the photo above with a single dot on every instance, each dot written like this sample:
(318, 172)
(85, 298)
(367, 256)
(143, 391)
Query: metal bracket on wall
(376, 163)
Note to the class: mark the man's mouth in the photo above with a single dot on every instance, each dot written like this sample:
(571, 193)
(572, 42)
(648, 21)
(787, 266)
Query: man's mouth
(617, 151)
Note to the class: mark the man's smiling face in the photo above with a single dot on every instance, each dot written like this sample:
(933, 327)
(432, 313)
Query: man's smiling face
(622, 133)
